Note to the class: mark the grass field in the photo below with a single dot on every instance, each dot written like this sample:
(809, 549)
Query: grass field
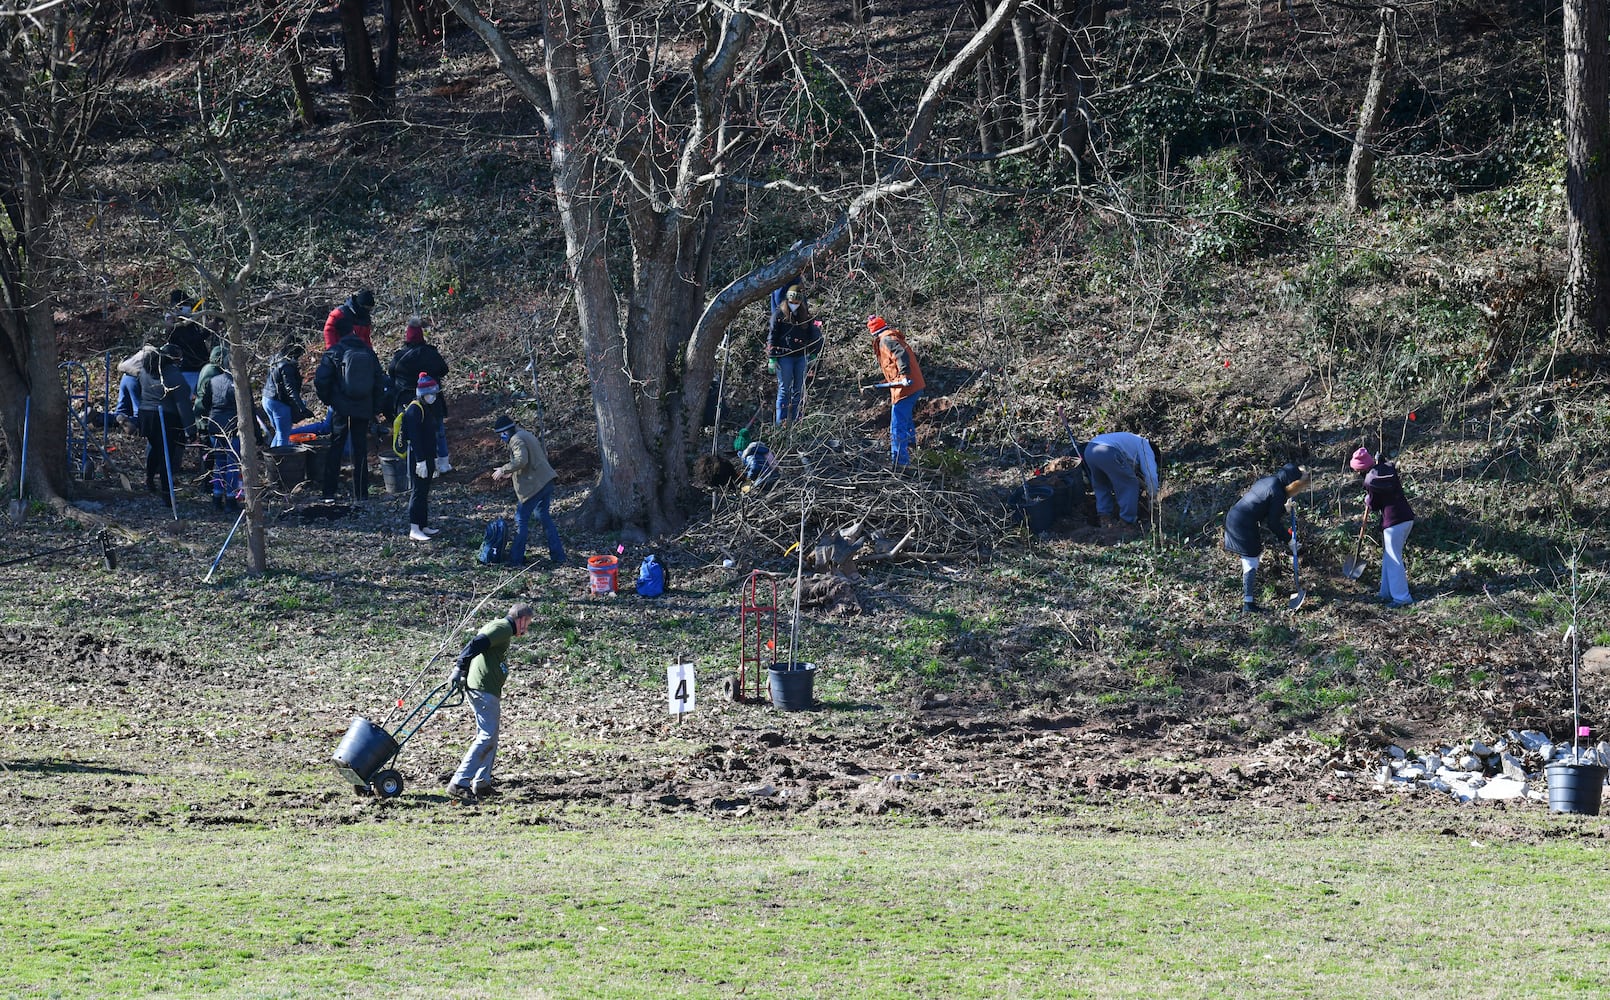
(614, 907)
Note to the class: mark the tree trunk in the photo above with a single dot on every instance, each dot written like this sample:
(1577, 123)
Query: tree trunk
(30, 382)
(1587, 177)
(1027, 89)
(246, 421)
(389, 31)
(362, 86)
(1080, 85)
(1360, 187)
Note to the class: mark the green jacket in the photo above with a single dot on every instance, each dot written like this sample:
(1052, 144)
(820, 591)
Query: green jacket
(528, 464)
(490, 668)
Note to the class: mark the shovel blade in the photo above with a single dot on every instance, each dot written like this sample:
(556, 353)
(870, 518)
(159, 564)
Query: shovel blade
(1353, 569)
(1297, 600)
(19, 509)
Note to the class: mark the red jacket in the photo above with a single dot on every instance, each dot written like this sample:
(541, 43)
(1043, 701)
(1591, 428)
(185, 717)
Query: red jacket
(898, 361)
(343, 319)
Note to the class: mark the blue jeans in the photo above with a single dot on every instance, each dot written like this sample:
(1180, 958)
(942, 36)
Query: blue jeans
(790, 386)
(538, 505)
(128, 396)
(226, 467)
(279, 414)
(441, 441)
(902, 429)
(483, 753)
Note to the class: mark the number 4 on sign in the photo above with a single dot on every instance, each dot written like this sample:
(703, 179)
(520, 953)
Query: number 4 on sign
(679, 689)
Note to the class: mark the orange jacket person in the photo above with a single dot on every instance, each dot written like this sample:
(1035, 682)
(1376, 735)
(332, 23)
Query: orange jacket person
(903, 376)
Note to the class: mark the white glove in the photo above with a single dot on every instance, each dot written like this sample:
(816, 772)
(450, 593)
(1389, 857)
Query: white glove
(419, 469)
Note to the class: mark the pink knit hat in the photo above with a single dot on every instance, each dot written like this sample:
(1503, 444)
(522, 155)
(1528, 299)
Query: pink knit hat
(1362, 461)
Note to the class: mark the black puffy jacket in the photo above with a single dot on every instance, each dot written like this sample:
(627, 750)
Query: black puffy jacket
(1261, 506)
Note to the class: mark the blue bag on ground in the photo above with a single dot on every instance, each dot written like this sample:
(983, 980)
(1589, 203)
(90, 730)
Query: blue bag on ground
(494, 542)
(650, 577)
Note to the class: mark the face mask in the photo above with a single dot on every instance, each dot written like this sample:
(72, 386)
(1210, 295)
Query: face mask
(505, 435)
(429, 398)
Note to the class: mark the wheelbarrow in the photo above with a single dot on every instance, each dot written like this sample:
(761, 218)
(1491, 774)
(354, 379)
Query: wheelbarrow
(368, 752)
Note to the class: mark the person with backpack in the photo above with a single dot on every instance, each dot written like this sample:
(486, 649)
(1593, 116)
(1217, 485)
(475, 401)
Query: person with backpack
(1262, 506)
(534, 480)
(793, 344)
(191, 339)
(348, 381)
(354, 316)
(1383, 492)
(282, 392)
(128, 386)
(416, 357)
(165, 417)
(903, 378)
(217, 416)
(1120, 463)
(481, 668)
(415, 437)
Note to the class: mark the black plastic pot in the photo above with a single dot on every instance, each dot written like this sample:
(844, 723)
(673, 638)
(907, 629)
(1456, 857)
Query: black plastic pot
(1575, 788)
(792, 686)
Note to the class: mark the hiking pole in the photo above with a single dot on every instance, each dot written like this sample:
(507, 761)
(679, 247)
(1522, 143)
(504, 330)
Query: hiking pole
(19, 506)
(227, 539)
(167, 460)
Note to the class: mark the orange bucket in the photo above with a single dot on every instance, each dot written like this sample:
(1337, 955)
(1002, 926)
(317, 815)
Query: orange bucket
(602, 571)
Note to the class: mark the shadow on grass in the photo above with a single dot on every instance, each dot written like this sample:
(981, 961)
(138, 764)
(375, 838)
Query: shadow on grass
(64, 767)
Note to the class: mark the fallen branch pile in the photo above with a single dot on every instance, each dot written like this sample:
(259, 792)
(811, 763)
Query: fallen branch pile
(856, 509)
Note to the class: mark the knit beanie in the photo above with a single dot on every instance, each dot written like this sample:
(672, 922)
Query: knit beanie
(1362, 461)
(415, 334)
(503, 424)
(876, 324)
(427, 385)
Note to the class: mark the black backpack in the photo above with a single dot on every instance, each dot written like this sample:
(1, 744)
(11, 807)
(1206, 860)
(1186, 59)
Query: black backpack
(357, 373)
(497, 534)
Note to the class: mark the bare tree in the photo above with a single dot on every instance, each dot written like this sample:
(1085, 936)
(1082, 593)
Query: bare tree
(229, 292)
(638, 130)
(363, 82)
(1587, 176)
(1360, 185)
(54, 85)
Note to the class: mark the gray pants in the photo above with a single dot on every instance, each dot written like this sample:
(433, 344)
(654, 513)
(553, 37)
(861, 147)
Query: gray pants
(1117, 487)
(477, 767)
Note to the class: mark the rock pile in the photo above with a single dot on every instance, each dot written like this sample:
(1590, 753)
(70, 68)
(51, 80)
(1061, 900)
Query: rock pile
(1510, 768)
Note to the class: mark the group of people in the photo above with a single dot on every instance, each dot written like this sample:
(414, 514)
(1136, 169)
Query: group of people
(185, 390)
(1267, 504)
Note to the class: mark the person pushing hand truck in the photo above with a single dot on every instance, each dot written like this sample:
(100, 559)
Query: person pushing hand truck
(481, 669)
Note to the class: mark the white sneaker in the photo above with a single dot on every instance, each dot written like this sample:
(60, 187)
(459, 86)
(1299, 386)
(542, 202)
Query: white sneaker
(417, 533)
(431, 531)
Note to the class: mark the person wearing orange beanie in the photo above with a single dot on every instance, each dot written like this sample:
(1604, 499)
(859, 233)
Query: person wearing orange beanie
(903, 376)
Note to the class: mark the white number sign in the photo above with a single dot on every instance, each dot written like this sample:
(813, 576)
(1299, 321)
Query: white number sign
(679, 688)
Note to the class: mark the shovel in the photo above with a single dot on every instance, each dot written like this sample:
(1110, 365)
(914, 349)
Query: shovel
(19, 506)
(1353, 568)
(1296, 575)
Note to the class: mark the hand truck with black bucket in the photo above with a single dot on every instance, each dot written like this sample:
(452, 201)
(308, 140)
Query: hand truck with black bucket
(368, 752)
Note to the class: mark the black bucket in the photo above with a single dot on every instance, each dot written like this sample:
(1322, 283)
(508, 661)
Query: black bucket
(1063, 486)
(286, 465)
(313, 459)
(1575, 788)
(365, 748)
(792, 686)
(1037, 506)
(394, 474)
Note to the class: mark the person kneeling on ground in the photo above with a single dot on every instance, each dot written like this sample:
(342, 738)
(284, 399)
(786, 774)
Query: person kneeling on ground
(533, 489)
(1261, 506)
(1119, 464)
(481, 670)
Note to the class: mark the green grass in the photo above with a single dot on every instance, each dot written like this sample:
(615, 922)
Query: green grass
(698, 910)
